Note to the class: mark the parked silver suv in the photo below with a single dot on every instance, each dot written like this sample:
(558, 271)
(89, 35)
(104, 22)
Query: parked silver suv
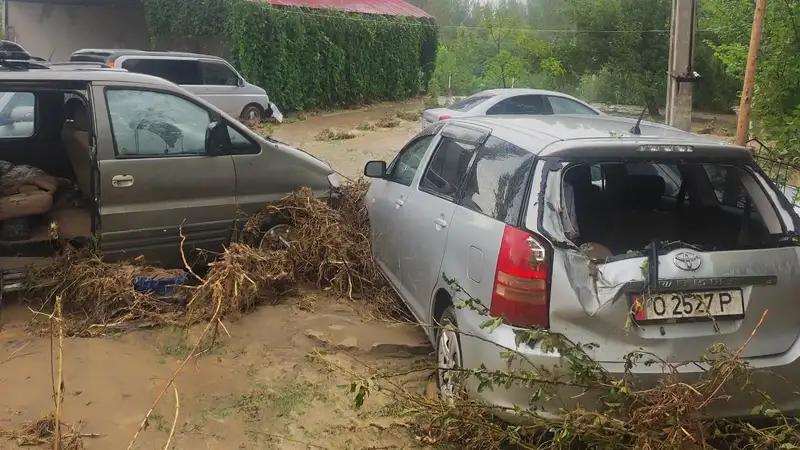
(663, 241)
(209, 77)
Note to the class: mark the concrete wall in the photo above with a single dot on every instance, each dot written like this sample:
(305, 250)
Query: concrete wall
(54, 30)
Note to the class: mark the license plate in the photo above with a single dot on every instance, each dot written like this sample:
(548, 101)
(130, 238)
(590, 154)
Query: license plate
(688, 305)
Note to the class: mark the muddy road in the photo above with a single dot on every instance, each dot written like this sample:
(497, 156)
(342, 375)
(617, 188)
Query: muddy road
(348, 156)
(279, 381)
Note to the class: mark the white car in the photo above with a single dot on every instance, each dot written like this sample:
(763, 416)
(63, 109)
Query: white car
(510, 102)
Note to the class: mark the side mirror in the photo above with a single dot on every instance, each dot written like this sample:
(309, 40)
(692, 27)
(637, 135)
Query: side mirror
(375, 169)
(241, 82)
(218, 142)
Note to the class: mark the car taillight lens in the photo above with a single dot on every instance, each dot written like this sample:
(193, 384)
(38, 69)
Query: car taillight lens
(521, 294)
(444, 117)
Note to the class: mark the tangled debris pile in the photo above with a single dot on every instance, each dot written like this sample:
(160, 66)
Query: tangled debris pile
(99, 296)
(603, 411)
(329, 247)
(43, 432)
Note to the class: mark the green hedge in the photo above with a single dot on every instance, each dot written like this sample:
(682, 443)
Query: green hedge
(308, 58)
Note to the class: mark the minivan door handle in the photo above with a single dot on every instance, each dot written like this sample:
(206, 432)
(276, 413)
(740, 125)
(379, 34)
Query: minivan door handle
(122, 181)
(440, 223)
(399, 203)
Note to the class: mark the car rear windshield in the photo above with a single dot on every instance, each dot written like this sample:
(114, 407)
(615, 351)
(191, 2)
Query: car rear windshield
(618, 207)
(469, 102)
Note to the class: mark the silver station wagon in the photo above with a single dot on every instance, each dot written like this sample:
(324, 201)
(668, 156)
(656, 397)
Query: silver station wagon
(632, 238)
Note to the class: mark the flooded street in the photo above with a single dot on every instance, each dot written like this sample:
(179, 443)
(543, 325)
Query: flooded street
(279, 381)
(348, 156)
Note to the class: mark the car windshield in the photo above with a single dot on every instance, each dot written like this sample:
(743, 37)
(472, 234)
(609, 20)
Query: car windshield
(623, 206)
(470, 102)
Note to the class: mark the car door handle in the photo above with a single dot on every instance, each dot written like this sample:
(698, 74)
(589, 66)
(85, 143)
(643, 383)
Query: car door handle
(399, 202)
(440, 223)
(122, 181)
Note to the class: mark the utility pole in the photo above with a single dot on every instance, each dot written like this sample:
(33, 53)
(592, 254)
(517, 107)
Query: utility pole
(681, 64)
(746, 103)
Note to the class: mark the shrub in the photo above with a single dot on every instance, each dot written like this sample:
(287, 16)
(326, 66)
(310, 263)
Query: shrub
(306, 59)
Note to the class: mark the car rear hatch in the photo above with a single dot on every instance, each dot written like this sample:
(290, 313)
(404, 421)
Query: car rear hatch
(667, 248)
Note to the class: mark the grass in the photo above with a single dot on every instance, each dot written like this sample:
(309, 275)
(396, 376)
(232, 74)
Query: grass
(388, 122)
(409, 116)
(173, 341)
(335, 134)
(264, 400)
(366, 126)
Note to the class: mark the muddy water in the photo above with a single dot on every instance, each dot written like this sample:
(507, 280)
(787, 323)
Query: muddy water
(348, 156)
(277, 382)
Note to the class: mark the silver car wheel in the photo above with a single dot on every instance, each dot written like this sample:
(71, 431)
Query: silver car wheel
(449, 360)
(252, 115)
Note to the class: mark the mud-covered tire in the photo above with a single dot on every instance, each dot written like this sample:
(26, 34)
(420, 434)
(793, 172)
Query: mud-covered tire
(448, 355)
(253, 115)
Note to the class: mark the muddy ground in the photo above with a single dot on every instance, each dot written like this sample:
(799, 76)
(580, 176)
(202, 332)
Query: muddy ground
(348, 156)
(280, 380)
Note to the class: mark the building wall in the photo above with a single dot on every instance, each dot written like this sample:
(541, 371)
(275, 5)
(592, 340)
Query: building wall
(53, 30)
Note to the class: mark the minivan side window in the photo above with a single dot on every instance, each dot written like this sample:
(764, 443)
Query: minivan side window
(496, 185)
(150, 124)
(404, 167)
(218, 74)
(178, 71)
(448, 167)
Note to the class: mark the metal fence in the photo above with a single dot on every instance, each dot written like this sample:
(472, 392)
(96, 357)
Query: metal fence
(785, 175)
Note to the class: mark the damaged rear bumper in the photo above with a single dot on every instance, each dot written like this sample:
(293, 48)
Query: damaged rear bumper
(775, 375)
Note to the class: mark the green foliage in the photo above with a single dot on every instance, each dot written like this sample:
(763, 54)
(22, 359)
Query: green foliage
(613, 51)
(776, 103)
(172, 17)
(307, 59)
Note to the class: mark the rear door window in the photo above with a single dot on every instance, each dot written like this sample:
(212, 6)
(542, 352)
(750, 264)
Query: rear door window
(17, 115)
(218, 74)
(522, 104)
(469, 102)
(448, 167)
(178, 71)
(496, 185)
(562, 105)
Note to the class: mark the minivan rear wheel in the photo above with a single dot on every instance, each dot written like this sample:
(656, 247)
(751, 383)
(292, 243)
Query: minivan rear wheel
(448, 355)
(253, 115)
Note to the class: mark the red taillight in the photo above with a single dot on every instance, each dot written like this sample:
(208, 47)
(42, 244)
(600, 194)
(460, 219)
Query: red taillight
(444, 117)
(521, 293)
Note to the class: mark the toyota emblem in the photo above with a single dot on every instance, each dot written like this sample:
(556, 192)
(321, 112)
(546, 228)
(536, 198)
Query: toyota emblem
(688, 261)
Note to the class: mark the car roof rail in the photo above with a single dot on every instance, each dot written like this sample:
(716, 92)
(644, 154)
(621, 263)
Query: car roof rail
(11, 60)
